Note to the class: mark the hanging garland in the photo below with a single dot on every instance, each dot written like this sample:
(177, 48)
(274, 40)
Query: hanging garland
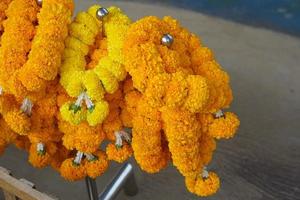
(22, 70)
(89, 86)
(179, 83)
(168, 108)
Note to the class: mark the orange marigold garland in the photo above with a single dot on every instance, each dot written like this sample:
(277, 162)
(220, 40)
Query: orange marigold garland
(20, 76)
(3, 6)
(182, 89)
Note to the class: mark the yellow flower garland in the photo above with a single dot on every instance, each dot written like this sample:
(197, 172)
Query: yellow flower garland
(89, 86)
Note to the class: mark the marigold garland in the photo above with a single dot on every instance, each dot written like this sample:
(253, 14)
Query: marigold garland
(20, 76)
(181, 92)
(89, 86)
(168, 109)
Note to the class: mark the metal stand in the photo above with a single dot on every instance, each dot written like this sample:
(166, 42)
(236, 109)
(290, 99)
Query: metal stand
(92, 188)
(123, 180)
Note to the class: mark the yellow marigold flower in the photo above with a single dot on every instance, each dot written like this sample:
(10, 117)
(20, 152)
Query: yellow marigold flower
(97, 164)
(76, 44)
(75, 85)
(109, 82)
(89, 21)
(92, 11)
(224, 127)
(105, 75)
(116, 68)
(115, 33)
(74, 79)
(98, 113)
(70, 53)
(71, 115)
(119, 154)
(93, 86)
(72, 171)
(82, 32)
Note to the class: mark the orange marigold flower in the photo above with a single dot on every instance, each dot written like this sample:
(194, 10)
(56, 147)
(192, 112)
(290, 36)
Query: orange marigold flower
(18, 121)
(118, 154)
(83, 138)
(96, 164)
(203, 186)
(224, 127)
(72, 171)
(39, 158)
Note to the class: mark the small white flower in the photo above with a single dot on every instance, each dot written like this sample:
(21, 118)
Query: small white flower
(26, 106)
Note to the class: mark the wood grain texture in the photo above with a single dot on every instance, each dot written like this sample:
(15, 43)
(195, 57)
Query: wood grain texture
(263, 161)
(21, 189)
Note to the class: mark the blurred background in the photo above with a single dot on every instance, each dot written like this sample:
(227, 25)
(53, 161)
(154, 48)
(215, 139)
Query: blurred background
(257, 42)
(280, 15)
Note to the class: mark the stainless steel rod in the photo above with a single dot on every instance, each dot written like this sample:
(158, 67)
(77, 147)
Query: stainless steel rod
(124, 179)
(92, 188)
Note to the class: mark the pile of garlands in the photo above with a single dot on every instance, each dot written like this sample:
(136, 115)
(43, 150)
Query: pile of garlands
(147, 89)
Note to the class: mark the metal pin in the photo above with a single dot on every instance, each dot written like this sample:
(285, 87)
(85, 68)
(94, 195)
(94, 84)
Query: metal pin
(167, 40)
(101, 13)
(39, 2)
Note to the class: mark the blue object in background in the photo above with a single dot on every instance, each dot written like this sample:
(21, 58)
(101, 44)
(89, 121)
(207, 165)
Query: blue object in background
(281, 15)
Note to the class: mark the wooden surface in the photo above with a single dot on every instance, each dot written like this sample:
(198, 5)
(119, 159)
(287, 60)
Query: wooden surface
(263, 161)
(22, 189)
